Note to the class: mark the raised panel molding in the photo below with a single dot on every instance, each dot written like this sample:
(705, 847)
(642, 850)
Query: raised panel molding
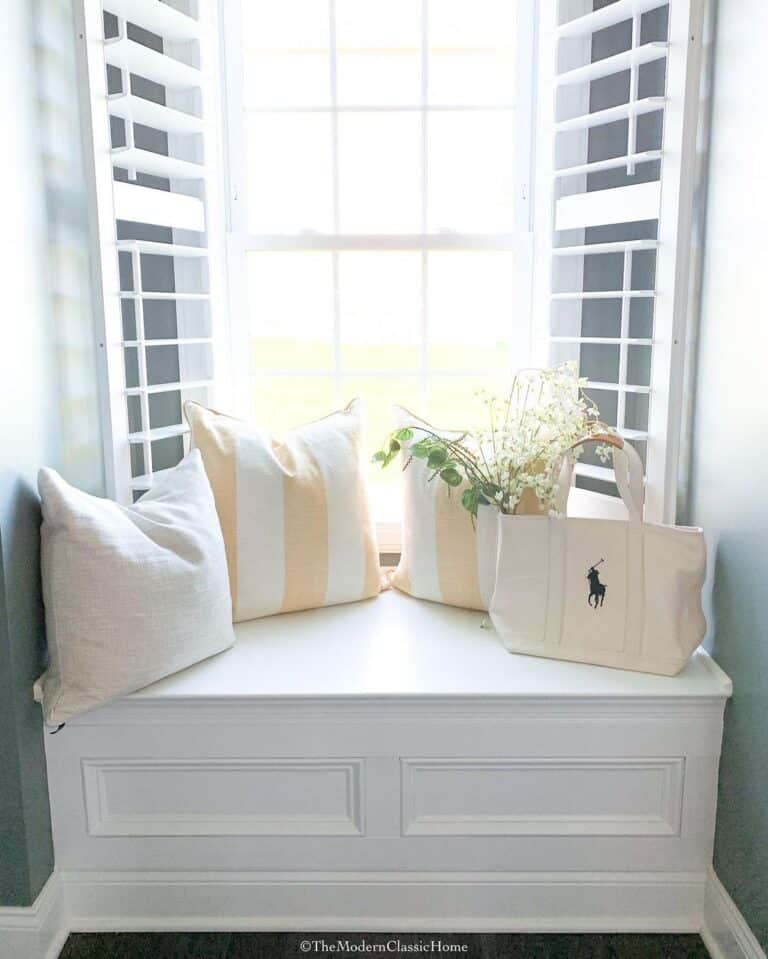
(542, 797)
(223, 797)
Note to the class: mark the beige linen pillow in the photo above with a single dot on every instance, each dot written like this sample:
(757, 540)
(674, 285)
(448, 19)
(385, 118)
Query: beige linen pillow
(294, 512)
(445, 557)
(132, 593)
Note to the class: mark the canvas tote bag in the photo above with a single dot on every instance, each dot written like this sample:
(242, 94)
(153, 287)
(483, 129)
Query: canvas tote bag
(616, 593)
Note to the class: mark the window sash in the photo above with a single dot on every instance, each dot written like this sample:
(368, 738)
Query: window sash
(241, 242)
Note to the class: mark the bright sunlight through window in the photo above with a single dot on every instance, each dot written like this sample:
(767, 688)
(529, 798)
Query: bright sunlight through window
(376, 153)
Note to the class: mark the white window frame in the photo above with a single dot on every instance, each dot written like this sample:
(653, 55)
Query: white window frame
(240, 241)
(225, 191)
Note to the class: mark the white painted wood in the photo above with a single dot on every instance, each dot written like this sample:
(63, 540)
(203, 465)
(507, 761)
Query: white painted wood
(614, 163)
(157, 164)
(608, 340)
(103, 207)
(38, 931)
(157, 17)
(607, 16)
(542, 797)
(223, 797)
(623, 204)
(592, 249)
(356, 241)
(615, 64)
(145, 205)
(564, 54)
(575, 774)
(370, 900)
(617, 387)
(154, 248)
(167, 387)
(127, 54)
(603, 295)
(158, 433)
(725, 931)
(634, 108)
(681, 116)
(262, 901)
(398, 646)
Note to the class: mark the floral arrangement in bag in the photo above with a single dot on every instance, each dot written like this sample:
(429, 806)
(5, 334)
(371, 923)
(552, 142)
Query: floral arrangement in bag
(514, 463)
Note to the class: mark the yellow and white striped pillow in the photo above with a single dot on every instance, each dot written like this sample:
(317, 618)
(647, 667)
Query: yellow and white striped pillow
(294, 512)
(445, 557)
(439, 559)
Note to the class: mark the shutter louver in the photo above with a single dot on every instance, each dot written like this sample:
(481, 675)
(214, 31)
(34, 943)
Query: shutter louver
(150, 80)
(613, 216)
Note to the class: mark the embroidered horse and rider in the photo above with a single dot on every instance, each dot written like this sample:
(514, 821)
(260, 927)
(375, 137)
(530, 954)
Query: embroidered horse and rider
(596, 588)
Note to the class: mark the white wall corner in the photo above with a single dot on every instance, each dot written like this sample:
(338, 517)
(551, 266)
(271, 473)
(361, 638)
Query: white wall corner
(724, 930)
(38, 931)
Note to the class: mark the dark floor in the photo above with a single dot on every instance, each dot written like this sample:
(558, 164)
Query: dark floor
(139, 945)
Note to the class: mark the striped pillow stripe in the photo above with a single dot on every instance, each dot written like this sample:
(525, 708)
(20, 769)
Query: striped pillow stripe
(294, 513)
(445, 556)
(439, 559)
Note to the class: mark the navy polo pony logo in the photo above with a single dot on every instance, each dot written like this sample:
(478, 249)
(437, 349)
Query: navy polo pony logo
(596, 588)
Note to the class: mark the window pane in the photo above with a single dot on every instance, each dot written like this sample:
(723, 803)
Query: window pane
(481, 24)
(380, 300)
(288, 79)
(471, 171)
(380, 172)
(281, 403)
(286, 53)
(290, 308)
(379, 52)
(471, 313)
(472, 51)
(289, 173)
(453, 401)
(287, 25)
(461, 77)
(380, 393)
(379, 78)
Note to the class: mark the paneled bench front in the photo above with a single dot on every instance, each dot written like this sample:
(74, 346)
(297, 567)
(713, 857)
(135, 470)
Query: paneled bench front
(387, 765)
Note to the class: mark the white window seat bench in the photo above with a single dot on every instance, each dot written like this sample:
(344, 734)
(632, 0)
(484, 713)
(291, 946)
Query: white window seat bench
(387, 765)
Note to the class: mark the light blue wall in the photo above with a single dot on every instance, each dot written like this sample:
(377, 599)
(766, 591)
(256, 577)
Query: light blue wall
(49, 390)
(728, 494)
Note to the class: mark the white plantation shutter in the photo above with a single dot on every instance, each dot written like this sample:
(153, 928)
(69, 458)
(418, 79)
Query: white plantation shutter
(616, 128)
(150, 75)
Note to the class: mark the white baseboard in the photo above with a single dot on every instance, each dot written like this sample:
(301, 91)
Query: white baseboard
(368, 902)
(724, 930)
(38, 931)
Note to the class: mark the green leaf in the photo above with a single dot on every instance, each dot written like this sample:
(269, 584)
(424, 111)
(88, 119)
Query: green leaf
(379, 457)
(421, 449)
(394, 446)
(404, 435)
(436, 458)
(450, 476)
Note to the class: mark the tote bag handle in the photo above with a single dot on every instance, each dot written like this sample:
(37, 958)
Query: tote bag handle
(627, 469)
